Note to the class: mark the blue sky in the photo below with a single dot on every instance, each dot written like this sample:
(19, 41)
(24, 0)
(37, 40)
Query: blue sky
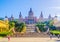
(8, 7)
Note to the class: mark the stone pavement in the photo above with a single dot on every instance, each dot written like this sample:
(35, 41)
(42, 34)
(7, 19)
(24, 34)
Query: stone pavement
(33, 34)
(30, 39)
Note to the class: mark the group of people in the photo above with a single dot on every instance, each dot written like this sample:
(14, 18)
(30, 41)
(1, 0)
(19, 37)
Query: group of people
(55, 35)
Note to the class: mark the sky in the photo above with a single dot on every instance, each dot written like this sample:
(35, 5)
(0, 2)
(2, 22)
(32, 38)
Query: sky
(9, 7)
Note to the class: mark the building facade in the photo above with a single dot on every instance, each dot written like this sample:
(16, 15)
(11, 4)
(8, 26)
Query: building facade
(31, 19)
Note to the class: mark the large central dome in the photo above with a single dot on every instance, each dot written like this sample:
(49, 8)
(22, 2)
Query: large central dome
(30, 14)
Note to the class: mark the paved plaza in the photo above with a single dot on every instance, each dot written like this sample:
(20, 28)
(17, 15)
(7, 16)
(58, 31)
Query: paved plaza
(30, 39)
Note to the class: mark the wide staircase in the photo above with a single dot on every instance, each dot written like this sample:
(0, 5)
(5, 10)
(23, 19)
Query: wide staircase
(30, 32)
(30, 28)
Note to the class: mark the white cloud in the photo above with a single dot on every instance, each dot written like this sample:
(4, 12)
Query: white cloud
(54, 7)
(58, 15)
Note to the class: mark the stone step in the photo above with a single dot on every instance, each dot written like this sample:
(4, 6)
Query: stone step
(34, 34)
(30, 28)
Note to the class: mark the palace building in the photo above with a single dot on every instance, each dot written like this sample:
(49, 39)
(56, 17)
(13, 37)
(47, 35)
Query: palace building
(31, 19)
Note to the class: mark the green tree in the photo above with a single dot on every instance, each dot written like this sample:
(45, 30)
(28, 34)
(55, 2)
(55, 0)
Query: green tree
(41, 25)
(11, 26)
(50, 24)
(19, 26)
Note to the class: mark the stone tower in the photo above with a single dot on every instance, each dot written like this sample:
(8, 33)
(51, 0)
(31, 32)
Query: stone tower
(55, 20)
(12, 18)
(20, 17)
(30, 14)
(41, 15)
(49, 17)
(6, 18)
(30, 19)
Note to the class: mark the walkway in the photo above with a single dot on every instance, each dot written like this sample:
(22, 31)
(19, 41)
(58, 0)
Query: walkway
(30, 39)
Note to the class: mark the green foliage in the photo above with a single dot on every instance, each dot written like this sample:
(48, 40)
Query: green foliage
(4, 34)
(19, 26)
(9, 32)
(50, 25)
(11, 24)
(54, 31)
(41, 25)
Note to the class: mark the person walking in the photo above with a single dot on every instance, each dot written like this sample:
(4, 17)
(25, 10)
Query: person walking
(8, 37)
(50, 36)
(58, 36)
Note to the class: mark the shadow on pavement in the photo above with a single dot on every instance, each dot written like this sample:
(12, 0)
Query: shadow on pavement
(57, 40)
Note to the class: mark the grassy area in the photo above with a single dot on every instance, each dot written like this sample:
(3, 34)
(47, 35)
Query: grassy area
(4, 34)
(1, 37)
(55, 31)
